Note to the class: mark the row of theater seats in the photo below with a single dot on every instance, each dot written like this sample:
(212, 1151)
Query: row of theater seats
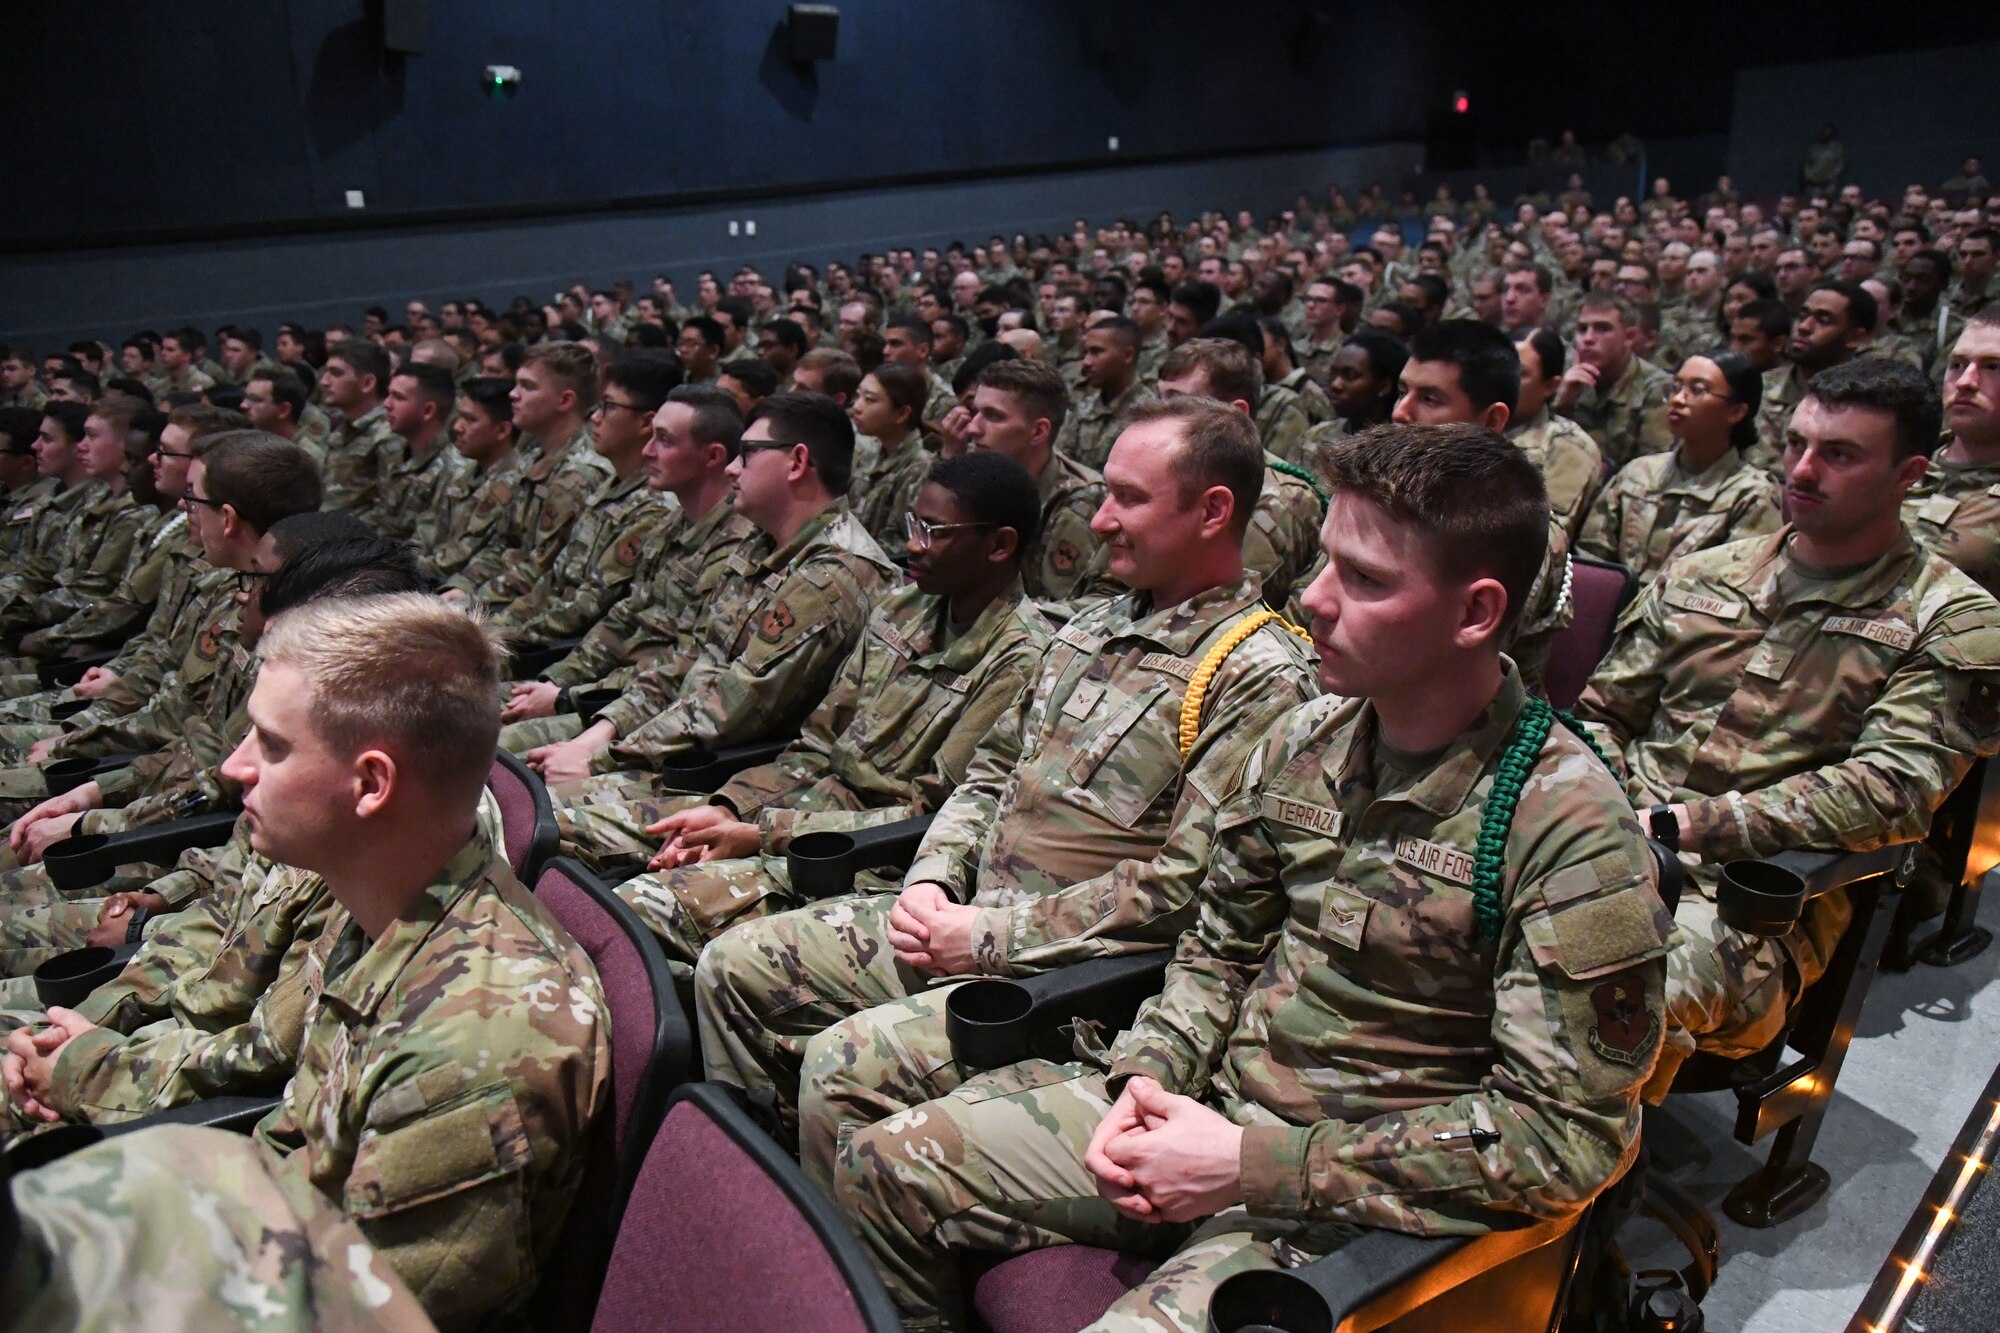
(692, 1217)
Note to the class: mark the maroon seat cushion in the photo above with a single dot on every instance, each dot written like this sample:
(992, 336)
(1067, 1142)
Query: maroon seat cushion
(1576, 648)
(1057, 1290)
(709, 1241)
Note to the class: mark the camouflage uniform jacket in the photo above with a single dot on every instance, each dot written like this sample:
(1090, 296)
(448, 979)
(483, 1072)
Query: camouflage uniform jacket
(446, 1074)
(1316, 358)
(1628, 418)
(1338, 999)
(413, 493)
(189, 584)
(1152, 351)
(1933, 333)
(478, 507)
(184, 779)
(24, 511)
(1790, 710)
(1954, 509)
(1282, 423)
(110, 538)
(1572, 467)
(1282, 541)
(204, 1229)
(1065, 557)
(1312, 398)
(884, 485)
(140, 589)
(314, 431)
(180, 698)
(1081, 829)
(596, 566)
(770, 644)
(556, 485)
(360, 455)
(688, 567)
(1092, 426)
(1687, 330)
(1654, 512)
(901, 721)
(54, 521)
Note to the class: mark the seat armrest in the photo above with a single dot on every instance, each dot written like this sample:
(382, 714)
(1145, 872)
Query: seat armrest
(1378, 1277)
(530, 660)
(706, 770)
(79, 861)
(824, 864)
(589, 703)
(1672, 874)
(62, 775)
(64, 672)
(239, 1115)
(1824, 872)
(995, 1021)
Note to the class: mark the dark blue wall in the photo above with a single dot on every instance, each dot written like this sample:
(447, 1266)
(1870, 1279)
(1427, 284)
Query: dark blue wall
(227, 114)
(52, 298)
(1911, 116)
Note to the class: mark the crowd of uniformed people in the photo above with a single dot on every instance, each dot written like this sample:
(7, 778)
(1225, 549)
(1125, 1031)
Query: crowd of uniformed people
(1197, 578)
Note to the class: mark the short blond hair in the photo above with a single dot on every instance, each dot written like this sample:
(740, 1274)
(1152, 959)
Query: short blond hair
(407, 671)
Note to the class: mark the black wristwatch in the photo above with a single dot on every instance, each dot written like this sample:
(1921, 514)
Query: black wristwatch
(1666, 829)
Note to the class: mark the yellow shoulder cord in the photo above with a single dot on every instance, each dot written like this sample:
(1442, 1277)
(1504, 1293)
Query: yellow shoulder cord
(1197, 690)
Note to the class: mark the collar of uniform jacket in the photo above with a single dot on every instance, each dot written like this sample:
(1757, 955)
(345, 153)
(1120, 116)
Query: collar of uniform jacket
(360, 992)
(1452, 779)
(1864, 587)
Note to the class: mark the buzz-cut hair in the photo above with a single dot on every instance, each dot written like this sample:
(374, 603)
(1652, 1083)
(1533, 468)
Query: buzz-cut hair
(404, 671)
(1219, 447)
(1038, 387)
(1475, 497)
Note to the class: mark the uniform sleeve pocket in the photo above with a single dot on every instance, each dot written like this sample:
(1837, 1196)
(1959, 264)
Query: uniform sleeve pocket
(458, 1145)
(1586, 937)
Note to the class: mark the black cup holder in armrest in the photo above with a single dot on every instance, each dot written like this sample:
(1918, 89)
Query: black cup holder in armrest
(65, 774)
(589, 703)
(997, 1021)
(65, 709)
(1760, 898)
(823, 865)
(705, 770)
(67, 671)
(69, 978)
(1315, 1297)
(1672, 874)
(530, 660)
(81, 860)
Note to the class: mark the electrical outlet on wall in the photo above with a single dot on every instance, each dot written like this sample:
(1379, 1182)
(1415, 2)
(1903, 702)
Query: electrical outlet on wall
(1112, 143)
(355, 199)
(750, 228)
(735, 227)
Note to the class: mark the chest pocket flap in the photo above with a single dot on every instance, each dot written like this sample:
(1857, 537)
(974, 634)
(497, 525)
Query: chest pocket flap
(1129, 759)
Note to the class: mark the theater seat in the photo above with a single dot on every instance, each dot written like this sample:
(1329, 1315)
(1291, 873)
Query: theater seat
(1598, 591)
(724, 1232)
(650, 1046)
(527, 816)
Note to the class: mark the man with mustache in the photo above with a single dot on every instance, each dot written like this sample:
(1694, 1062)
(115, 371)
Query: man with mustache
(1954, 508)
(1825, 686)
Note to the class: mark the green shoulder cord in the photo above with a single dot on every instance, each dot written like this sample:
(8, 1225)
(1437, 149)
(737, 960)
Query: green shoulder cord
(1517, 760)
(1294, 470)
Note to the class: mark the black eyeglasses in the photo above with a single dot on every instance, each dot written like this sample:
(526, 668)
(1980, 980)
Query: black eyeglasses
(748, 447)
(164, 452)
(192, 499)
(606, 404)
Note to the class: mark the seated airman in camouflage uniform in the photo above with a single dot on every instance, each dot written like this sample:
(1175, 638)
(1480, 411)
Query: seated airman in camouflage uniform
(307, 557)
(1373, 1022)
(1608, 390)
(479, 499)
(1283, 538)
(1826, 686)
(361, 451)
(769, 644)
(1572, 467)
(890, 457)
(443, 1051)
(1110, 369)
(938, 665)
(1069, 837)
(1954, 509)
(621, 519)
(648, 640)
(1702, 493)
